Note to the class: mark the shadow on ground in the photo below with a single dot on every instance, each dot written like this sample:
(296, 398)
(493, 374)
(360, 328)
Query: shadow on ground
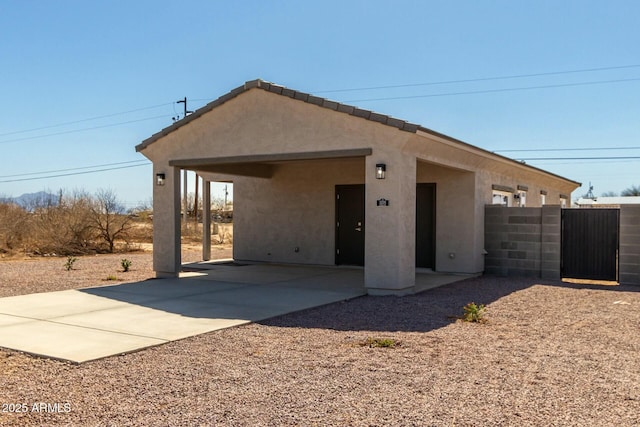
(423, 312)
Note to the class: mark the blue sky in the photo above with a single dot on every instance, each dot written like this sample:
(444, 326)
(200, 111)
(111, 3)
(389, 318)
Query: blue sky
(68, 61)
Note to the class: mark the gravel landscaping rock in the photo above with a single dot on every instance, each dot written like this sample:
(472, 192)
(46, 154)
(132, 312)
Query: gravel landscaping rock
(551, 353)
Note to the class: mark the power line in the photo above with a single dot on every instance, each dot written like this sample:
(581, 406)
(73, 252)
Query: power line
(566, 149)
(516, 76)
(73, 169)
(581, 158)
(444, 82)
(348, 90)
(81, 130)
(85, 120)
(583, 162)
(495, 90)
(71, 174)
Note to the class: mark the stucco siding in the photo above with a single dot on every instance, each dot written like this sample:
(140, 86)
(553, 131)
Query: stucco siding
(455, 225)
(390, 232)
(293, 209)
(258, 122)
(535, 183)
(166, 223)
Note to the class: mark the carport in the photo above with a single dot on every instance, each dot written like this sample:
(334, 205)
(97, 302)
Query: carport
(225, 169)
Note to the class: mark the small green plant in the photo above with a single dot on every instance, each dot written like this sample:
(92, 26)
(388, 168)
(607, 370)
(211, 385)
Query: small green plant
(474, 313)
(380, 342)
(69, 264)
(126, 264)
(111, 277)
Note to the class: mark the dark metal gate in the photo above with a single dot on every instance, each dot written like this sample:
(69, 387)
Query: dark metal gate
(590, 243)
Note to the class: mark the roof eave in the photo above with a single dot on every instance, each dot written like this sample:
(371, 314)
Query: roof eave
(493, 154)
(281, 90)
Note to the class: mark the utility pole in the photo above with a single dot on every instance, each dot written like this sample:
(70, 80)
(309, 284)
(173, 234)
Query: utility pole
(589, 194)
(185, 202)
(184, 101)
(224, 208)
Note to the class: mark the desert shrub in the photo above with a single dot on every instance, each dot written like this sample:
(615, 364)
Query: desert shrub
(63, 229)
(68, 265)
(474, 313)
(14, 227)
(109, 220)
(125, 264)
(75, 224)
(380, 342)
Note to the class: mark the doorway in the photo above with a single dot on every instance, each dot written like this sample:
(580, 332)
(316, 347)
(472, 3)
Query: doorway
(426, 225)
(350, 224)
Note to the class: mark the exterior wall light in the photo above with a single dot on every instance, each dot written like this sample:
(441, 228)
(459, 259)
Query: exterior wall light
(160, 178)
(381, 168)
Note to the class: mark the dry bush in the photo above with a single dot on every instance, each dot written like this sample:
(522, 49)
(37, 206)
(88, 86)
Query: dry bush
(141, 230)
(14, 227)
(109, 220)
(64, 229)
(77, 224)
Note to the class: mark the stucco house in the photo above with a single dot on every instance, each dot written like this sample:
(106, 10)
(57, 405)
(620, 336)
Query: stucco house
(324, 183)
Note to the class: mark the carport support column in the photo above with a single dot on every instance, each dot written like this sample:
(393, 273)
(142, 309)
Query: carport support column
(166, 222)
(206, 220)
(390, 230)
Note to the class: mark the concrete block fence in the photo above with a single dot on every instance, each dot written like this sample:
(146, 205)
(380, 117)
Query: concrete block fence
(527, 242)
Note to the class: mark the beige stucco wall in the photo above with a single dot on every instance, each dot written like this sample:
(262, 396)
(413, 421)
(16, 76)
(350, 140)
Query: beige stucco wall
(294, 209)
(534, 183)
(166, 222)
(456, 229)
(390, 234)
(258, 122)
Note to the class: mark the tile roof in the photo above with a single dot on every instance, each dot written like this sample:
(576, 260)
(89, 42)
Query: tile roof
(281, 90)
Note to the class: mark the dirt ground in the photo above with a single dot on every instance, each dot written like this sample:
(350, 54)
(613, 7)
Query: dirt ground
(551, 353)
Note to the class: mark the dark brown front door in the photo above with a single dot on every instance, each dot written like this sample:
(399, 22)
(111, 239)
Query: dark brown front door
(350, 224)
(426, 226)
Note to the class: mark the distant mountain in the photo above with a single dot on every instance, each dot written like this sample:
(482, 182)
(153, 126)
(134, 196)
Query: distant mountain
(31, 200)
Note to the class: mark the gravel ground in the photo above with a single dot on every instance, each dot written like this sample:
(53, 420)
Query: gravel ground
(37, 274)
(550, 354)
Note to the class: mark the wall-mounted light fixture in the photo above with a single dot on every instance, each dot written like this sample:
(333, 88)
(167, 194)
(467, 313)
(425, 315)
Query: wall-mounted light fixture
(160, 178)
(381, 168)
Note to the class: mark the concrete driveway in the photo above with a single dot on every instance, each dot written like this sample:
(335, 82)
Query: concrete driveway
(92, 323)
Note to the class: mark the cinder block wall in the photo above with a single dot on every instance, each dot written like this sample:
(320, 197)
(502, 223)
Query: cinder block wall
(550, 250)
(629, 255)
(513, 241)
(527, 242)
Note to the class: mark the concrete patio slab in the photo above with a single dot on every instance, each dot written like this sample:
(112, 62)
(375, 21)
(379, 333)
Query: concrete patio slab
(150, 322)
(54, 304)
(87, 324)
(430, 280)
(72, 343)
(161, 289)
(6, 320)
